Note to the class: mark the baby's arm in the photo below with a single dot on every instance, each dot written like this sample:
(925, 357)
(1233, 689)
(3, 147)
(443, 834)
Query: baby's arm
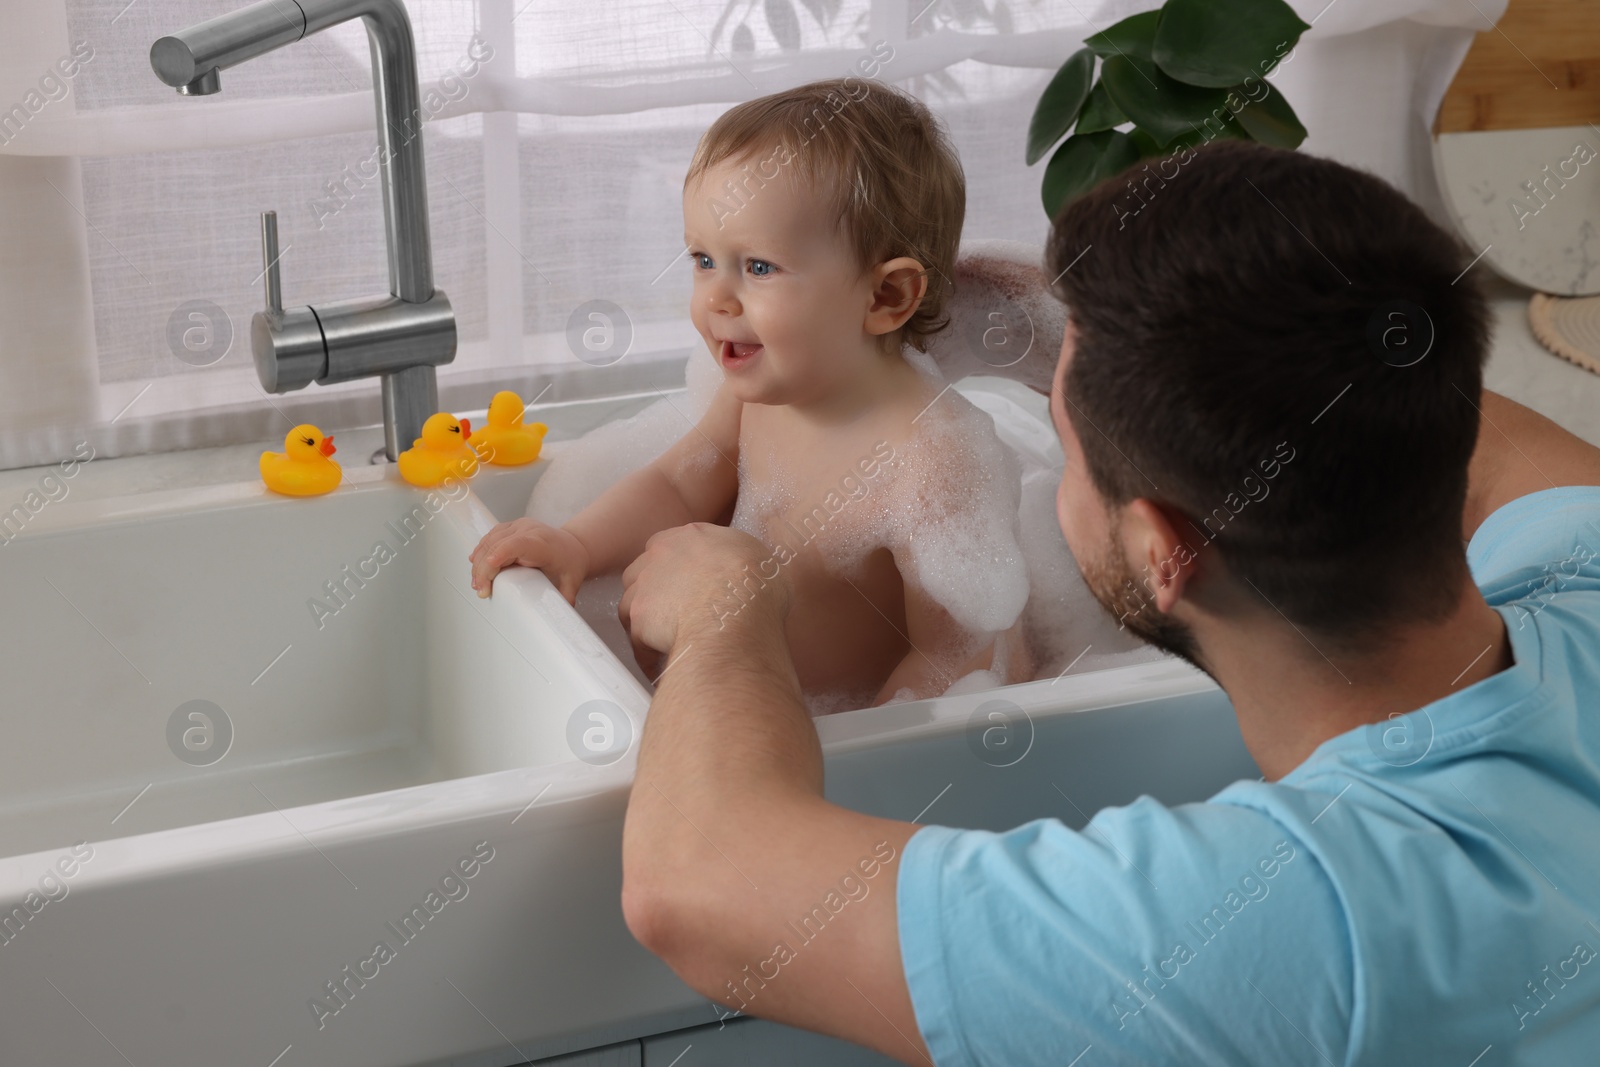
(696, 480)
(956, 492)
(941, 650)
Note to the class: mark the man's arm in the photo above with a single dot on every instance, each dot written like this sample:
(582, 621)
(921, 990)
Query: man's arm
(756, 891)
(1519, 452)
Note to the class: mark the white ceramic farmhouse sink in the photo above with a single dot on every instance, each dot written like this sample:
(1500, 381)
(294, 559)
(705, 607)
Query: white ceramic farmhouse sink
(205, 655)
(406, 767)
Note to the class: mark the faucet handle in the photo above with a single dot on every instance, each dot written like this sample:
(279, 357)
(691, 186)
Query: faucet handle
(289, 349)
(270, 255)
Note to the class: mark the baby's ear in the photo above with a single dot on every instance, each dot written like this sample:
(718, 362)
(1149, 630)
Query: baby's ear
(898, 286)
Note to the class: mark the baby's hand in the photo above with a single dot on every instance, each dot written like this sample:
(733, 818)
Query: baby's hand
(530, 543)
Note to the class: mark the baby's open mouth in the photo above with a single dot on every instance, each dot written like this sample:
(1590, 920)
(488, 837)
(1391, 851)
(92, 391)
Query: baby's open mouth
(737, 353)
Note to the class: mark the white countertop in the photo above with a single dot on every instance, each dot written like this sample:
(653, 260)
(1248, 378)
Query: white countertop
(1529, 373)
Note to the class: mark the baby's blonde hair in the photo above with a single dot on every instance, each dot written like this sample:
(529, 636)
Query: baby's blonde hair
(881, 156)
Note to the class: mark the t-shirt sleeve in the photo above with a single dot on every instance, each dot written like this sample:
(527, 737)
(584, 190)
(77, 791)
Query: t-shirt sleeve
(1201, 934)
(1538, 544)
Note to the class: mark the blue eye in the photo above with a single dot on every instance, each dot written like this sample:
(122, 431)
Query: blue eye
(761, 268)
(701, 260)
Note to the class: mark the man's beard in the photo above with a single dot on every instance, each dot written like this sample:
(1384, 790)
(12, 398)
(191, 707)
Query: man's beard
(1130, 603)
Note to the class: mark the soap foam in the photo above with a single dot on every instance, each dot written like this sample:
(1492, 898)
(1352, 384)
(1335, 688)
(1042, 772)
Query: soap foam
(758, 502)
(1001, 284)
(951, 517)
(1063, 625)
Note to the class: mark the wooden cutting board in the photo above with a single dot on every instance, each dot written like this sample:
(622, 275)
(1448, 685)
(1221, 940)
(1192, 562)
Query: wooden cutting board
(1539, 67)
(1516, 146)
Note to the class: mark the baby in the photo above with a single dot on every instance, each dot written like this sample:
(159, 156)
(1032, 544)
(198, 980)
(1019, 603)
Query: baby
(822, 225)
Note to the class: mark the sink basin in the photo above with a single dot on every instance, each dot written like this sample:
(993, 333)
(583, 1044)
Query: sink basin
(225, 788)
(196, 657)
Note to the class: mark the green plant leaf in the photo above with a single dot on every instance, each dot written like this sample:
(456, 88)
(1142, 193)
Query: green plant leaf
(1100, 112)
(1160, 105)
(1083, 162)
(1059, 106)
(1270, 120)
(1133, 36)
(1219, 43)
(1145, 144)
(1194, 138)
(1191, 138)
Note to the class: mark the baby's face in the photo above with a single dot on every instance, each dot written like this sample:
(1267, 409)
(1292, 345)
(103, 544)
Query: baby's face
(778, 295)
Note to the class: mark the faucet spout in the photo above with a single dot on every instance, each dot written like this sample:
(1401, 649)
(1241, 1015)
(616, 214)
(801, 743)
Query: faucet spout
(203, 85)
(402, 338)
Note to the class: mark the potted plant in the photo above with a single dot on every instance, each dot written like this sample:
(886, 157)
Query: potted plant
(1181, 75)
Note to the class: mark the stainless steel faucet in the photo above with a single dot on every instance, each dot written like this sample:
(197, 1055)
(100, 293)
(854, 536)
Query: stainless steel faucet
(402, 336)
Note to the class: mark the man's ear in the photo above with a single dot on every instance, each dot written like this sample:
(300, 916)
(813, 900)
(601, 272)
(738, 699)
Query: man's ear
(897, 286)
(1152, 538)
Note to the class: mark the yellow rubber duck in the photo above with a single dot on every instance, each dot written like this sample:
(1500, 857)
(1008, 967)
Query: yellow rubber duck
(303, 467)
(441, 452)
(507, 441)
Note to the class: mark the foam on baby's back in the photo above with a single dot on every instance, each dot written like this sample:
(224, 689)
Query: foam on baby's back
(949, 513)
(1063, 626)
(1002, 315)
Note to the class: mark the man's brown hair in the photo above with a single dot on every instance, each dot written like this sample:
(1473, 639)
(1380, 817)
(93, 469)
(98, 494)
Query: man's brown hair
(1245, 303)
(882, 161)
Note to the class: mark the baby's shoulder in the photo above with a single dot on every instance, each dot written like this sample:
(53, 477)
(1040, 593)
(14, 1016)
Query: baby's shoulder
(951, 458)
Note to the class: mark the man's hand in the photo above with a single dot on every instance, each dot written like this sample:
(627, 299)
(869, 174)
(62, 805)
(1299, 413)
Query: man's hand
(693, 577)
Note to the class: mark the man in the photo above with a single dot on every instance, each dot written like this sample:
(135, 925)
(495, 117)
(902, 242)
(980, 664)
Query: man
(1276, 442)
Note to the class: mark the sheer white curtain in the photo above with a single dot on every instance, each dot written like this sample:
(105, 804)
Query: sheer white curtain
(557, 136)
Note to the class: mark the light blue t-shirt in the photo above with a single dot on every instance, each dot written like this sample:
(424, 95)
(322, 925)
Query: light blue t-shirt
(1424, 890)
